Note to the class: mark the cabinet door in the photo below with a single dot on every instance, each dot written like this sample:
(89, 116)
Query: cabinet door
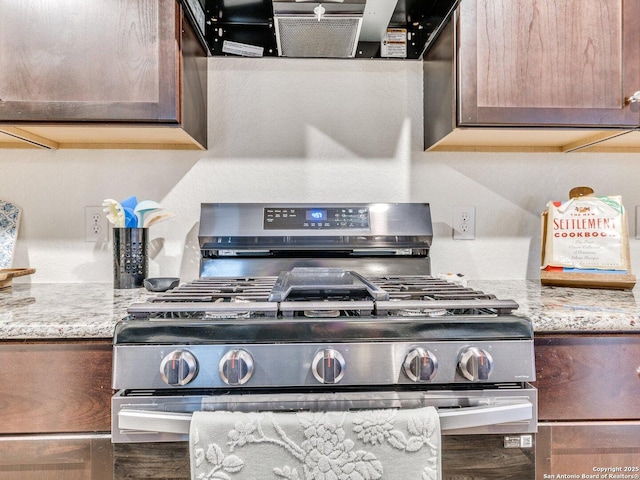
(78, 60)
(60, 457)
(578, 450)
(548, 62)
(51, 387)
(588, 377)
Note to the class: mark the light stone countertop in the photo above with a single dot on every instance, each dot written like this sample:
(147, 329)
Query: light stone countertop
(55, 311)
(569, 310)
(63, 310)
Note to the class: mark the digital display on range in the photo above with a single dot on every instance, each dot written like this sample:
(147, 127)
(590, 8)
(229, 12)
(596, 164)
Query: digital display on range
(316, 215)
(316, 218)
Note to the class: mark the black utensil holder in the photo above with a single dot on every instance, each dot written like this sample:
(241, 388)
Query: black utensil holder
(130, 257)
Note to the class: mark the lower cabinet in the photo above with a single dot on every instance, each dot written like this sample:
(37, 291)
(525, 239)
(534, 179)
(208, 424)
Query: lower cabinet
(55, 410)
(62, 457)
(599, 450)
(589, 406)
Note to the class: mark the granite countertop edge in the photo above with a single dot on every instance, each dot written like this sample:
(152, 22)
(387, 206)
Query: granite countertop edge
(52, 311)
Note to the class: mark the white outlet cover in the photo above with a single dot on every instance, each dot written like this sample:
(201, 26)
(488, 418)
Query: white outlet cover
(464, 229)
(102, 224)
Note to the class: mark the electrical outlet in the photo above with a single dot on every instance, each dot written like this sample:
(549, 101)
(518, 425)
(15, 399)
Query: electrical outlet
(96, 225)
(464, 223)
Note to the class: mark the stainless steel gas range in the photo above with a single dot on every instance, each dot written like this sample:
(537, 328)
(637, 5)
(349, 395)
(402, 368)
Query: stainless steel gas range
(328, 308)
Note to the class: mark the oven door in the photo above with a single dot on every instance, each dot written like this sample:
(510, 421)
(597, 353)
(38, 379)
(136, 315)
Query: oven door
(161, 416)
(487, 433)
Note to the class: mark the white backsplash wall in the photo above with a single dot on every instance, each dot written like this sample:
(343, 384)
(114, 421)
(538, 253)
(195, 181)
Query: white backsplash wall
(283, 130)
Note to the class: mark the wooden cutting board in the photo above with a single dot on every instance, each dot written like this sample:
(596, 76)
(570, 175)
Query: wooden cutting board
(8, 274)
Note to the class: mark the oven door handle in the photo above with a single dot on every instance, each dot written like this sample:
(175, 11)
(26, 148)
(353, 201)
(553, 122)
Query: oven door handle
(157, 422)
(455, 419)
(471, 417)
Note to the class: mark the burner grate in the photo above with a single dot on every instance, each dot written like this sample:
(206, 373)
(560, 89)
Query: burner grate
(215, 290)
(252, 297)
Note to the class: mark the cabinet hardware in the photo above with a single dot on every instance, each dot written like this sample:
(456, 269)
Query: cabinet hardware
(633, 98)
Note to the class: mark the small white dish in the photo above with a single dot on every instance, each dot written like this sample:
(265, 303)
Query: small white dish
(9, 222)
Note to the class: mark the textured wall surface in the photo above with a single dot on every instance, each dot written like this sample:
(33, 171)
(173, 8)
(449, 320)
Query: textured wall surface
(291, 130)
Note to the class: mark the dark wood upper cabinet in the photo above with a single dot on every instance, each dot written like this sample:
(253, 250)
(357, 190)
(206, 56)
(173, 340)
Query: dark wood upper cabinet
(540, 64)
(548, 63)
(124, 62)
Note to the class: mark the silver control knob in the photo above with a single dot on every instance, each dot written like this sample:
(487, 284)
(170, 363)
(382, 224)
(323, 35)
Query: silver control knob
(236, 367)
(178, 368)
(328, 366)
(420, 365)
(475, 364)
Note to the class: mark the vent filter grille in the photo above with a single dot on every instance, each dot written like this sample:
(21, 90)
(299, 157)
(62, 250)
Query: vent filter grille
(335, 37)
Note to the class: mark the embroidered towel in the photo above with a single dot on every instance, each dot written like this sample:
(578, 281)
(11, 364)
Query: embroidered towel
(356, 445)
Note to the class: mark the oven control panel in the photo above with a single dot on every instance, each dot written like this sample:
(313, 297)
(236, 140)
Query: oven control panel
(313, 364)
(316, 218)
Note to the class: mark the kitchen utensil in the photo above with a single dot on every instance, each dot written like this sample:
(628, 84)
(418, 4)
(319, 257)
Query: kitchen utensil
(8, 274)
(115, 212)
(161, 284)
(129, 202)
(9, 223)
(155, 217)
(145, 207)
(130, 219)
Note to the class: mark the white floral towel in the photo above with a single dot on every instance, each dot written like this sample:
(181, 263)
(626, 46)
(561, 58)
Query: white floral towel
(358, 445)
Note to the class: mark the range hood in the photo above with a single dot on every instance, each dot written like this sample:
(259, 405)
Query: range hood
(400, 29)
(329, 29)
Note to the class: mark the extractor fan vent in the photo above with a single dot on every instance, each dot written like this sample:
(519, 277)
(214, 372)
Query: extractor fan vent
(327, 37)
